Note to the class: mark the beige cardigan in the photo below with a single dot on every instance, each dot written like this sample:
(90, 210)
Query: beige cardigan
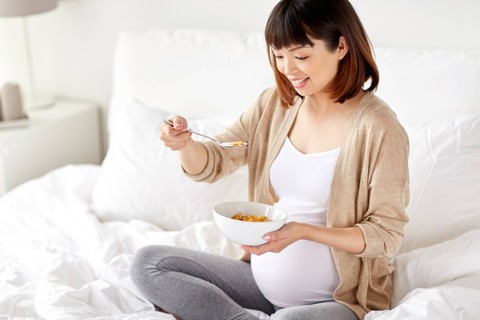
(370, 187)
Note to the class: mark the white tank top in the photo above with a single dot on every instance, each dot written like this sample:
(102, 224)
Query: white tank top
(304, 272)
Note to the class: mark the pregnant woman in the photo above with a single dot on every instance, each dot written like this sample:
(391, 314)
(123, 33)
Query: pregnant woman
(323, 147)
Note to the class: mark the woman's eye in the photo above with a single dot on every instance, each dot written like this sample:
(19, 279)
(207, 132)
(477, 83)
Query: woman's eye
(278, 57)
(301, 58)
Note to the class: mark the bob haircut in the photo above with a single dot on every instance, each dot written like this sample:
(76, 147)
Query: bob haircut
(295, 22)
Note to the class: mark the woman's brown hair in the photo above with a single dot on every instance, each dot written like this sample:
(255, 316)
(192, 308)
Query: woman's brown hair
(294, 22)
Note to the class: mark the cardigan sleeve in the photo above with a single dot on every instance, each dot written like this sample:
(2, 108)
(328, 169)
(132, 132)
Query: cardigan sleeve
(388, 188)
(222, 162)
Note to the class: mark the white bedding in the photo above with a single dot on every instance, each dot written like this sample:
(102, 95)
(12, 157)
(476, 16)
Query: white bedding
(58, 261)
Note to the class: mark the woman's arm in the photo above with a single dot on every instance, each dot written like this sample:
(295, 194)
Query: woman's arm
(349, 239)
(193, 158)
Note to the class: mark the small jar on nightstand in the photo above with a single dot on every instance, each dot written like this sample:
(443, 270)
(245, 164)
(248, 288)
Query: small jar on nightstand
(68, 132)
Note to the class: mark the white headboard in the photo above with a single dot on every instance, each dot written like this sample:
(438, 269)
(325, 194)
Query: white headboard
(199, 72)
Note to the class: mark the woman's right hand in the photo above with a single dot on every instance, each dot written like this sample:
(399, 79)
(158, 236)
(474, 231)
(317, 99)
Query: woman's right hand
(176, 137)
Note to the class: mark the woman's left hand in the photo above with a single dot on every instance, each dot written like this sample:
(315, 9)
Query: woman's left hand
(278, 240)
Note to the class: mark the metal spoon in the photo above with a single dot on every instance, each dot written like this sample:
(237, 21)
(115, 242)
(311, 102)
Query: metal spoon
(227, 145)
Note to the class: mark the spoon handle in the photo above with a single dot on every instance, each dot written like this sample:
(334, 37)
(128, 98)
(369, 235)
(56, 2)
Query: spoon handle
(190, 130)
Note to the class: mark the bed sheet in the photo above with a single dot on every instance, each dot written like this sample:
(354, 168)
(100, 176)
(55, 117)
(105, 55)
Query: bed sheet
(59, 261)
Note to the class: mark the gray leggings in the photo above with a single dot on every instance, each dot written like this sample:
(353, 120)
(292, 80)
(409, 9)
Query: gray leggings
(197, 285)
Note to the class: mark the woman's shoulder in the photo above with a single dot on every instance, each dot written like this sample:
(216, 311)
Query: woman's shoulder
(269, 102)
(374, 111)
(264, 103)
(268, 113)
(268, 94)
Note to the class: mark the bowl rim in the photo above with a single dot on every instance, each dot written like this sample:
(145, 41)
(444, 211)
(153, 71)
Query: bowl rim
(254, 203)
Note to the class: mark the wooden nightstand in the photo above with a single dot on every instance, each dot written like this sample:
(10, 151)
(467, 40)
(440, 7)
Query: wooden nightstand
(66, 133)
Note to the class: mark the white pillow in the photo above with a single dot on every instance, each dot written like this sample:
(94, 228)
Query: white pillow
(454, 262)
(200, 74)
(142, 179)
(192, 72)
(444, 302)
(445, 180)
(426, 85)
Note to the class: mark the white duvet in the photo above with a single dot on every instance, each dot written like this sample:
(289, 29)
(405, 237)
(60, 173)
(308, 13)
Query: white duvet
(58, 261)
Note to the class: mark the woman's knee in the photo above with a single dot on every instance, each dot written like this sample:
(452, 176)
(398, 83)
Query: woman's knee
(144, 262)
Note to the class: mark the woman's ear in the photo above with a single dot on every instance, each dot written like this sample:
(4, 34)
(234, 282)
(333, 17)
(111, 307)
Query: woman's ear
(342, 47)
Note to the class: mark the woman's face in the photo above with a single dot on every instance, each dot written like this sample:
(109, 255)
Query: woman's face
(310, 69)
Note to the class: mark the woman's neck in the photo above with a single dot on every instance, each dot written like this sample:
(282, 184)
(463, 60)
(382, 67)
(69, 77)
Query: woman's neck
(323, 104)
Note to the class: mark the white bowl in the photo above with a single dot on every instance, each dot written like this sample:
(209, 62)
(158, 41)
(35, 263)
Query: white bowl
(246, 232)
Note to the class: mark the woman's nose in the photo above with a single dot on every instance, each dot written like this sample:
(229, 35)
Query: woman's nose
(288, 66)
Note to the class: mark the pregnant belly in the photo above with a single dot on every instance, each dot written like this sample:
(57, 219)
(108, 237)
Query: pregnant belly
(303, 273)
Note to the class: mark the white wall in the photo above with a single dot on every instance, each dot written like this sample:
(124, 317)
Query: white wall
(446, 24)
(73, 45)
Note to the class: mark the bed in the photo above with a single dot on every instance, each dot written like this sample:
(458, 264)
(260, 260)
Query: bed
(67, 239)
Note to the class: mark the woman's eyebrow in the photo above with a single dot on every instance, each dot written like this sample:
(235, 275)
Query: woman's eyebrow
(298, 47)
(295, 48)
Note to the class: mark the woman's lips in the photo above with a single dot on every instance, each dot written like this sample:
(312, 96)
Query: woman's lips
(299, 83)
